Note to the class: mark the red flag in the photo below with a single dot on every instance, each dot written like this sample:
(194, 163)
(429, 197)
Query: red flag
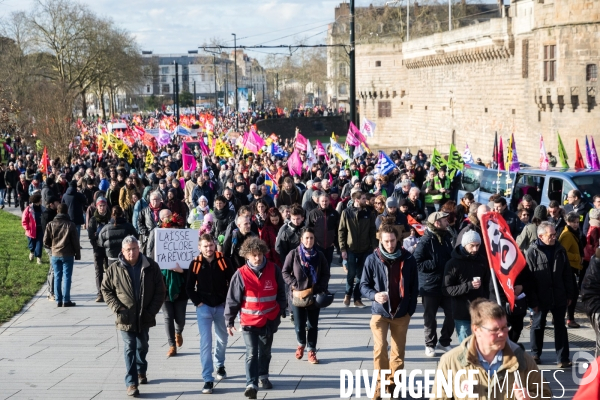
(150, 142)
(45, 162)
(579, 163)
(504, 256)
(100, 149)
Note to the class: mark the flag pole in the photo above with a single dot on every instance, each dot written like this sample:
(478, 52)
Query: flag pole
(494, 279)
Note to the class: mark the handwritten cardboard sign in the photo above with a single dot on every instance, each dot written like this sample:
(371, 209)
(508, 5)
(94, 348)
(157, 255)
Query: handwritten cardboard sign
(175, 246)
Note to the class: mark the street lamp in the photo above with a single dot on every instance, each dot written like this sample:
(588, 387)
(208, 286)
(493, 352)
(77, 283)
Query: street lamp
(237, 119)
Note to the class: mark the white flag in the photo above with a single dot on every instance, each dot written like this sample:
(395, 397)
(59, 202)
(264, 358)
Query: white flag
(310, 155)
(368, 128)
(467, 156)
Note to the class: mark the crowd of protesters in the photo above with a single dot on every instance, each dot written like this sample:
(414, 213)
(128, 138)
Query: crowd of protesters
(267, 254)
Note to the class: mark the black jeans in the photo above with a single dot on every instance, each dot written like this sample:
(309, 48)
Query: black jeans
(516, 326)
(561, 340)
(328, 253)
(258, 355)
(356, 262)
(577, 278)
(23, 202)
(306, 318)
(100, 264)
(15, 196)
(174, 314)
(431, 304)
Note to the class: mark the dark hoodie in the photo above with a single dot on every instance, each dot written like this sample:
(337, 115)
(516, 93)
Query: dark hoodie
(288, 239)
(432, 253)
(76, 202)
(458, 281)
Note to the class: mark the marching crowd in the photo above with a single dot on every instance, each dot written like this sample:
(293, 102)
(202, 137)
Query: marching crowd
(266, 251)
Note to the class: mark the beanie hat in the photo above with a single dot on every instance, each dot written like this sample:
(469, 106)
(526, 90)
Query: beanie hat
(541, 212)
(391, 202)
(101, 200)
(594, 214)
(470, 237)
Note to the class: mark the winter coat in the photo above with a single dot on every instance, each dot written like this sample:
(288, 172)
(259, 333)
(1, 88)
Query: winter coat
(326, 224)
(207, 283)
(527, 236)
(269, 234)
(375, 279)
(111, 236)
(200, 191)
(458, 281)
(76, 202)
(592, 240)
(295, 276)
(23, 190)
(28, 221)
(94, 227)
(61, 237)
(125, 197)
(570, 242)
(431, 254)
(552, 282)
(146, 224)
(284, 198)
(118, 291)
(355, 234)
(288, 238)
(137, 209)
(515, 360)
(513, 222)
(582, 209)
(222, 220)
(232, 245)
(590, 287)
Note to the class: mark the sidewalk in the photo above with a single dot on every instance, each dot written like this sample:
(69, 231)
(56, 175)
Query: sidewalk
(76, 353)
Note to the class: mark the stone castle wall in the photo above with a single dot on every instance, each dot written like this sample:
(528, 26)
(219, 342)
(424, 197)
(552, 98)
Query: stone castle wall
(462, 86)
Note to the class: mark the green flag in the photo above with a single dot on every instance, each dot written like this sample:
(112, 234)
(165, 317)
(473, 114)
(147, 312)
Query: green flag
(455, 161)
(437, 160)
(562, 153)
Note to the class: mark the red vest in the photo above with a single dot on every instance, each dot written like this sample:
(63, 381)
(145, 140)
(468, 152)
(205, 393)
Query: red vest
(259, 304)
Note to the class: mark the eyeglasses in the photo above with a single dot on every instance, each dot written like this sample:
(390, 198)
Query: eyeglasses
(496, 331)
(551, 236)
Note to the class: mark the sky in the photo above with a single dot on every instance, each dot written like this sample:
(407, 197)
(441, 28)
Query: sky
(176, 26)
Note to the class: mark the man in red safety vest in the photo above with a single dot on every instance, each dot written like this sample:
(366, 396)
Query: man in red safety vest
(257, 292)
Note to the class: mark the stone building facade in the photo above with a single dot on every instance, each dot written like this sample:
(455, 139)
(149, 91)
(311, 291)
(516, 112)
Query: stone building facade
(533, 71)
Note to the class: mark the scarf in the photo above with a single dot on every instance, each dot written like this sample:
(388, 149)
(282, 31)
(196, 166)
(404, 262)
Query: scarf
(155, 212)
(390, 256)
(438, 233)
(390, 259)
(257, 268)
(221, 214)
(203, 210)
(308, 258)
(102, 219)
(174, 281)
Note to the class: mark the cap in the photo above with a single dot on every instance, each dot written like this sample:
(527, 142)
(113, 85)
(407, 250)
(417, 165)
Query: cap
(334, 190)
(317, 180)
(101, 200)
(132, 171)
(470, 237)
(436, 216)
(391, 202)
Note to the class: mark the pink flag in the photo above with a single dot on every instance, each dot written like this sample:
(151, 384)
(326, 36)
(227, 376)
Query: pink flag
(543, 155)
(351, 139)
(189, 161)
(321, 150)
(164, 137)
(253, 142)
(361, 138)
(203, 147)
(295, 164)
(301, 142)
(595, 161)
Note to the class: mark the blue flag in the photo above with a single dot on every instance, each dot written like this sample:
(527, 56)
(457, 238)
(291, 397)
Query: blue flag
(385, 165)
(277, 151)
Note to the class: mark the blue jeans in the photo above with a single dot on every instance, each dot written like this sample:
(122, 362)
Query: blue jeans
(463, 329)
(63, 270)
(207, 316)
(258, 356)
(2, 194)
(35, 245)
(356, 262)
(135, 349)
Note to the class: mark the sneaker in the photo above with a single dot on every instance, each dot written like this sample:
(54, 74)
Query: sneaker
(143, 379)
(299, 352)
(221, 374)
(359, 304)
(565, 364)
(429, 351)
(178, 339)
(69, 304)
(51, 297)
(444, 348)
(250, 392)
(312, 357)
(39, 260)
(347, 301)
(30, 256)
(573, 324)
(133, 391)
(266, 383)
(208, 387)
(172, 351)
(59, 304)
(99, 299)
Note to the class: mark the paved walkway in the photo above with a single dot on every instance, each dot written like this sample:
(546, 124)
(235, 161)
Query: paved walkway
(76, 353)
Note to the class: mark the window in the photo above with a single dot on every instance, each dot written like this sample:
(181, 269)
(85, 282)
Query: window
(492, 183)
(342, 68)
(164, 70)
(166, 88)
(591, 73)
(549, 63)
(163, 78)
(378, 63)
(471, 178)
(525, 59)
(385, 109)
(588, 185)
(147, 88)
(343, 89)
(527, 184)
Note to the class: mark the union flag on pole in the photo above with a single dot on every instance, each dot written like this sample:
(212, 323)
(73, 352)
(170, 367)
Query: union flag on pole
(45, 162)
(504, 256)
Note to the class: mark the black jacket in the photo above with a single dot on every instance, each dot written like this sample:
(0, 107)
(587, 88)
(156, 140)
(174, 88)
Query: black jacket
(590, 288)
(375, 279)
(76, 202)
(552, 282)
(513, 222)
(295, 276)
(288, 238)
(325, 224)
(582, 209)
(221, 221)
(458, 281)
(111, 236)
(94, 227)
(207, 283)
(146, 224)
(232, 245)
(431, 254)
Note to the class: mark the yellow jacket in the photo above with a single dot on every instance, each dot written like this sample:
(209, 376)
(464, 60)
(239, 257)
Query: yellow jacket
(514, 360)
(571, 245)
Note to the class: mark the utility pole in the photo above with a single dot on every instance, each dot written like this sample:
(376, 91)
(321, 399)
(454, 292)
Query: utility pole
(226, 84)
(263, 98)
(195, 111)
(277, 87)
(177, 92)
(215, 71)
(237, 119)
(352, 67)
(449, 15)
